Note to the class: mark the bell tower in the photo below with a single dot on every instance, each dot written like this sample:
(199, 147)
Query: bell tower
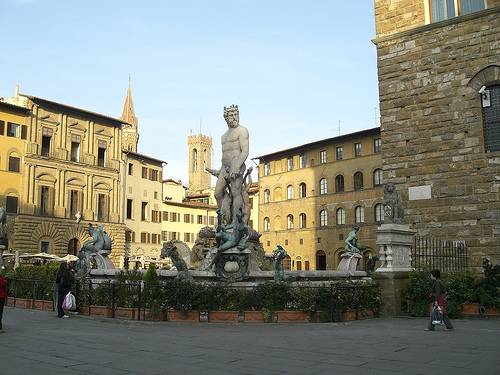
(130, 134)
(200, 157)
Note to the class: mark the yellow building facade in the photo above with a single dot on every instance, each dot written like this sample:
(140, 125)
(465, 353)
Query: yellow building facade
(13, 134)
(143, 207)
(182, 218)
(71, 177)
(312, 195)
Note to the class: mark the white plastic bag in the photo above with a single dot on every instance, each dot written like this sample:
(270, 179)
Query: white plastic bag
(437, 315)
(69, 302)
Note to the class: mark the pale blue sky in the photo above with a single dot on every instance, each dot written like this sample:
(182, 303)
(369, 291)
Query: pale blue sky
(295, 68)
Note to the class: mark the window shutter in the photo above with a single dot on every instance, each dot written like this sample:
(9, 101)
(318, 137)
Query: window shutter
(24, 131)
(2, 128)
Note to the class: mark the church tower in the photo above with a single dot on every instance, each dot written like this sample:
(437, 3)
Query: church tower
(130, 133)
(200, 157)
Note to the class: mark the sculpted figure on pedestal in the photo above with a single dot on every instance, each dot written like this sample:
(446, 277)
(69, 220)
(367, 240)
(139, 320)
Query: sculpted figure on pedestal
(393, 208)
(229, 190)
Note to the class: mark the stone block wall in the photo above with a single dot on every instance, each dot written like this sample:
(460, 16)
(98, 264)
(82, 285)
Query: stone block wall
(398, 15)
(432, 128)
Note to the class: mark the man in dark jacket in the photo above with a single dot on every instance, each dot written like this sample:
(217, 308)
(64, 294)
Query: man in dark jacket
(63, 281)
(3, 297)
(438, 299)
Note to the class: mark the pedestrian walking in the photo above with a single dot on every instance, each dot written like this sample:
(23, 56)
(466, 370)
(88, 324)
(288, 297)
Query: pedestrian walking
(3, 298)
(438, 298)
(63, 282)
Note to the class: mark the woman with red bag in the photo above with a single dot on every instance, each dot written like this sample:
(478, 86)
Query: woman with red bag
(437, 295)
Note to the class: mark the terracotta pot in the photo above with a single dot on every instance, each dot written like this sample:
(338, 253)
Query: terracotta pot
(254, 317)
(348, 315)
(365, 314)
(23, 303)
(183, 316)
(100, 311)
(293, 316)
(491, 311)
(148, 315)
(125, 313)
(223, 316)
(83, 310)
(470, 309)
(48, 306)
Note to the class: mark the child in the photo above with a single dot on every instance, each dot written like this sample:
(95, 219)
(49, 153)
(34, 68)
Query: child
(438, 297)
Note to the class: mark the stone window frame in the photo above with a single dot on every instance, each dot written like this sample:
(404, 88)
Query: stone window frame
(378, 175)
(302, 190)
(266, 224)
(457, 8)
(267, 196)
(323, 218)
(323, 186)
(342, 212)
(378, 213)
(359, 214)
(289, 192)
(302, 220)
(487, 76)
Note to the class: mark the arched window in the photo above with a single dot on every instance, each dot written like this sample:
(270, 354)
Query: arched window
(287, 263)
(267, 224)
(267, 196)
(339, 183)
(379, 213)
(289, 222)
(358, 181)
(195, 160)
(323, 218)
(320, 260)
(302, 190)
(359, 214)
(377, 177)
(289, 192)
(323, 186)
(340, 216)
(302, 220)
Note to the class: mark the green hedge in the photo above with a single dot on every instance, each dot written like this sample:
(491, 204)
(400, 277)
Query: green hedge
(33, 278)
(461, 288)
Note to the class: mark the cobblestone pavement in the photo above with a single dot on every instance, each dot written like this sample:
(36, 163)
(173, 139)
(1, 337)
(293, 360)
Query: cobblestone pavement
(36, 342)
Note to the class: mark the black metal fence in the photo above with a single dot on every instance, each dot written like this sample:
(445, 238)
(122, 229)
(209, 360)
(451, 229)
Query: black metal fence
(430, 253)
(144, 301)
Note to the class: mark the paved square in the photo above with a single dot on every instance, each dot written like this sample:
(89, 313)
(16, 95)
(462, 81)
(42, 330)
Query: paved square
(36, 342)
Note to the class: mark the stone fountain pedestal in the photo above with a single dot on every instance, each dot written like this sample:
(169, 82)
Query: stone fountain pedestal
(349, 262)
(232, 265)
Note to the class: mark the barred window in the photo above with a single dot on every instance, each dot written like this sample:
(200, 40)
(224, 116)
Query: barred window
(491, 118)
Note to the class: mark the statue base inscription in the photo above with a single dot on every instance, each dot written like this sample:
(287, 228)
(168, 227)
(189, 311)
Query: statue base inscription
(395, 242)
(232, 265)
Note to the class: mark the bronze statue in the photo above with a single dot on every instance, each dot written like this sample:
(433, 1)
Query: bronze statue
(351, 242)
(94, 252)
(279, 254)
(169, 250)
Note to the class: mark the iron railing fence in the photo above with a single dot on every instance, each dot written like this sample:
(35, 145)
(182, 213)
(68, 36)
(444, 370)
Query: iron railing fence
(145, 299)
(430, 253)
